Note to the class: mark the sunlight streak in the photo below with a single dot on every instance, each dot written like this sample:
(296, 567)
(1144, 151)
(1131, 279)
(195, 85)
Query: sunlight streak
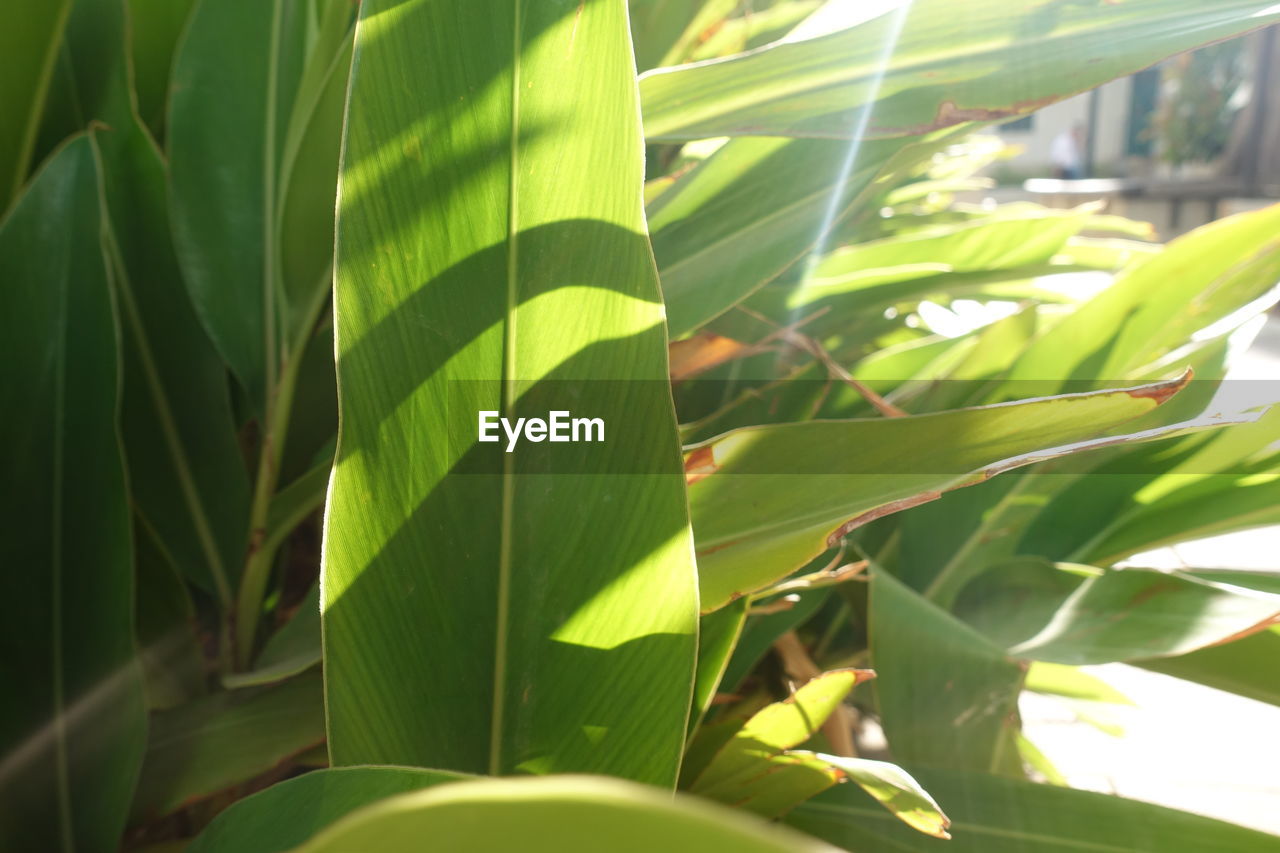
(861, 119)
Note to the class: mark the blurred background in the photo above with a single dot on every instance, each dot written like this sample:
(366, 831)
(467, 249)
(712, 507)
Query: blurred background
(1194, 138)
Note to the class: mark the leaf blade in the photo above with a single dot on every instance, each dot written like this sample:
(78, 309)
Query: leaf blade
(516, 614)
(73, 733)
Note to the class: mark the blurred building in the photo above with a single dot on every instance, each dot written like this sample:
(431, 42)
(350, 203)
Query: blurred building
(1180, 144)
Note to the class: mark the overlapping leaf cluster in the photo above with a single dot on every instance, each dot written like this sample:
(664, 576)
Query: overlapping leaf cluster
(751, 256)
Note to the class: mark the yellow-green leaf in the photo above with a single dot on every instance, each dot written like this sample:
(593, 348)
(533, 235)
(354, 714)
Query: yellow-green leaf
(492, 257)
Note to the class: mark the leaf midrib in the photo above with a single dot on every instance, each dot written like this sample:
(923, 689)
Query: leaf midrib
(503, 604)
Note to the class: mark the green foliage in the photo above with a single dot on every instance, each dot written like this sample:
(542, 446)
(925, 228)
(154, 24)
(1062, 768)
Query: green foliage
(229, 221)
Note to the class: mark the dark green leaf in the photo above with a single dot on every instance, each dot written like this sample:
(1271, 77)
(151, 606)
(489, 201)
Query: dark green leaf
(206, 746)
(73, 723)
(291, 812)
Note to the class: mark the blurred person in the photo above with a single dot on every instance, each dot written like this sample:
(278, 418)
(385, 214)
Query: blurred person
(1066, 153)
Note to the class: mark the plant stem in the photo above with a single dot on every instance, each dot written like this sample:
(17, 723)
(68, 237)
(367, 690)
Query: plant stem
(257, 568)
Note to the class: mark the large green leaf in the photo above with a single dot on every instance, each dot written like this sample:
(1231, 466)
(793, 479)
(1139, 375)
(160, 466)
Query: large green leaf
(565, 814)
(490, 229)
(289, 813)
(29, 43)
(72, 723)
(917, 67)
(771, 498)
(221, 740)
(991, 814)
(186, 474)
(945, 692)
(1045, 612)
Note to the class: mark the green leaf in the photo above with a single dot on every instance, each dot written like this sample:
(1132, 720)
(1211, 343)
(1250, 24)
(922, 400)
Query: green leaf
(206, 746)
(760, 514)
(73, 722)
(564, 814)
(1246, 667)
(222, 150)
(490, 227)
(945, 692)
(991, 814)
(1203, 277)
(755, 771)
(915, 71)
(896, 790)
(289, 813)
(186, 474)
(718, 635)
(235, 76)
(309, 168)
(1065, 616)
(778, 727)
(29, 43)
